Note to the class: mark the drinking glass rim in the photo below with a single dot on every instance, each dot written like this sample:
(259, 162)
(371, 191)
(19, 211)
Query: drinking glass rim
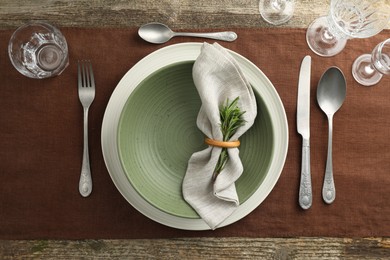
(382, 44)
(42, 24)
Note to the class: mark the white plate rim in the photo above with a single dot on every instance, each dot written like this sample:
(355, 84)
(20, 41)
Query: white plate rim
(155, 61)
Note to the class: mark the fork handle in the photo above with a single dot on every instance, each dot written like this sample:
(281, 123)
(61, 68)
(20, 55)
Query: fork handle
(85, 184)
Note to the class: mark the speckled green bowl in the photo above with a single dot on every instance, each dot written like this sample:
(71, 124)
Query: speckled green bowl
(157, 134)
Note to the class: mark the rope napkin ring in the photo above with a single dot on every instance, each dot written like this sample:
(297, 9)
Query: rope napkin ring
(222, 144)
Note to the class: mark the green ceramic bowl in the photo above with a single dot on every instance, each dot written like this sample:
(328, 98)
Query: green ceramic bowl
(157, 134)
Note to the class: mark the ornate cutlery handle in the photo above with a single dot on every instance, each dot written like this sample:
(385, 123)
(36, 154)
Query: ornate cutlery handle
(85, 184)
(305, 190)
(328, 188)
(224, 36)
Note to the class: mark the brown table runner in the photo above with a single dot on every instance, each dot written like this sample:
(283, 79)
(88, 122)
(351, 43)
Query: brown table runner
(41, 145)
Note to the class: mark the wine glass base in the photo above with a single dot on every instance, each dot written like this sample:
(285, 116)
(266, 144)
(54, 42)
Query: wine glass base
(276, 13)
(321, 41)
(363, 73)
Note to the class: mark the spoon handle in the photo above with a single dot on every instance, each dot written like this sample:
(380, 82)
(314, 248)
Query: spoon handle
(305, 190)
(224, 36)
(328, 188)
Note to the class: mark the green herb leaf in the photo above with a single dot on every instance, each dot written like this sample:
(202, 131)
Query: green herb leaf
(231, 120)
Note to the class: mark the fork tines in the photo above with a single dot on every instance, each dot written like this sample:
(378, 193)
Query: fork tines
(85, 74)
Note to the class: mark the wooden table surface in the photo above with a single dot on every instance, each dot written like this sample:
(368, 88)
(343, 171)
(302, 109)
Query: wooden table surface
(184, 14)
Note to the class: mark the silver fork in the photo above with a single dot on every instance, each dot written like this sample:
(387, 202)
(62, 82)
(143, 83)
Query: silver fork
(86, 89)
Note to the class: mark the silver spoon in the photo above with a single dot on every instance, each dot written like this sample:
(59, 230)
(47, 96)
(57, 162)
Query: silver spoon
(331, 93)
(160, 33)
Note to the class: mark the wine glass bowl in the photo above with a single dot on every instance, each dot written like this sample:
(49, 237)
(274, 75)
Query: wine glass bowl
(368, 69)
(347, 19)
(276, 12)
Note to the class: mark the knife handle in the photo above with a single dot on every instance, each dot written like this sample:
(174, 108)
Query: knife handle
(305, 191)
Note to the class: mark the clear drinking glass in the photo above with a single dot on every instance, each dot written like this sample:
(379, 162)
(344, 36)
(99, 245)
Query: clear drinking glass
(38, 50)
(347, 19)
(368, 69)
(276, 11)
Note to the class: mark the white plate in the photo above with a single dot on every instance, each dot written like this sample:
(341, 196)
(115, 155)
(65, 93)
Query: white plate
(145, 67)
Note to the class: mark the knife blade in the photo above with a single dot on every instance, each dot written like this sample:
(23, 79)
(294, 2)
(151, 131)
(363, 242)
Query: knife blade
(303, 128)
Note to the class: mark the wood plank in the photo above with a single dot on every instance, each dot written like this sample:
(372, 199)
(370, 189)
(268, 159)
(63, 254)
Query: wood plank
(205, 248)
(178, 14)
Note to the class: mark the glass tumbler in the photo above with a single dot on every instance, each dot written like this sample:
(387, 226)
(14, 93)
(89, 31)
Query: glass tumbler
(38, 50)
(368, 69)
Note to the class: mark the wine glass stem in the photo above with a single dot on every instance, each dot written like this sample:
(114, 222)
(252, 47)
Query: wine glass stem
(277, 4)
(327, 36)
(368, 70)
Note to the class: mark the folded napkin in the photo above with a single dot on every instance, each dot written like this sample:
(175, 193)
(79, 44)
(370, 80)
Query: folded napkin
(218, 78)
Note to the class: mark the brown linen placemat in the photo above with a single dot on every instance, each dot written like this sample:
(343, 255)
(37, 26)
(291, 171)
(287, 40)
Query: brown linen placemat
(41, 145)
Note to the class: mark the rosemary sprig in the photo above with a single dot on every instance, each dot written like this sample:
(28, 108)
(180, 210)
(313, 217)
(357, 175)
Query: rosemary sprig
(231, 119)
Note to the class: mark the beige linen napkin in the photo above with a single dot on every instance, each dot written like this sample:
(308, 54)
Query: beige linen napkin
(218, 78)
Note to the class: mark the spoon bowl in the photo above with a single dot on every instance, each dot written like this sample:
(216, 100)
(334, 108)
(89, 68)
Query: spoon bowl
(331, 90)
(159, 33)
(331, 94)
(155, 33)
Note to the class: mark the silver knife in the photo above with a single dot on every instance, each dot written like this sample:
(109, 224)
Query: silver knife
(303, 127)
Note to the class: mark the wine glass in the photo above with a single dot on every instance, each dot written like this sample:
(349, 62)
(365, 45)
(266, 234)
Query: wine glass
(368, 69)
(347, 19)
(276, 11)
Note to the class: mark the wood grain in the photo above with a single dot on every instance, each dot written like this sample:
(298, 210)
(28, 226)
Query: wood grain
(201, 248)
(179, 14)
